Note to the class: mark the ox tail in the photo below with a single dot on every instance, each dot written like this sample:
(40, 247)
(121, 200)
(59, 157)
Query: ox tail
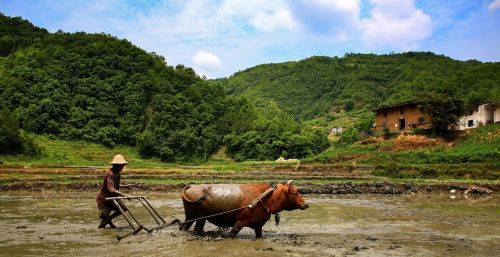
(186, 198)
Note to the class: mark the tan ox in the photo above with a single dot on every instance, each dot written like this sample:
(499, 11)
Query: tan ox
(203, 200)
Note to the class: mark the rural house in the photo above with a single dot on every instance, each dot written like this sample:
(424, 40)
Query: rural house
(400, 117)
(480, 114)
(336, 130)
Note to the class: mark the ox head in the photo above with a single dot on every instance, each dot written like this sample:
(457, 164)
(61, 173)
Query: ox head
(293, 199)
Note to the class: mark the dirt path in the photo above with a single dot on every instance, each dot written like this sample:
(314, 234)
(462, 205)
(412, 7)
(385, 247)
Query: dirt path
(42, 223)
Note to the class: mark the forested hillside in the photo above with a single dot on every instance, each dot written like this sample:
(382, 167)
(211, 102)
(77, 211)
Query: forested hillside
(96, 87)
(315, 86)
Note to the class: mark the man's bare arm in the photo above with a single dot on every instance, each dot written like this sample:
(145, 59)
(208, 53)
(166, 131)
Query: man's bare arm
(111, 187)
(126, 185)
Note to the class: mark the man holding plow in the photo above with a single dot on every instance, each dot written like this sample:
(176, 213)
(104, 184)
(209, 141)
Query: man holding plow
(110, 188)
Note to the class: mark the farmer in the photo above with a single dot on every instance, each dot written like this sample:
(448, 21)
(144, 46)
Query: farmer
(110, 188)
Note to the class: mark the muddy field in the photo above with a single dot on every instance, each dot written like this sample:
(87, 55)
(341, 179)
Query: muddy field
(62, 224)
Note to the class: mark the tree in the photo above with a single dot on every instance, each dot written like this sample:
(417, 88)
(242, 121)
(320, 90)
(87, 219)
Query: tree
(11, 139)
(445, 110)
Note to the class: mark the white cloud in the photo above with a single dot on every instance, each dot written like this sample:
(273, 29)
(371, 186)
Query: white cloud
(326, 18)
(396, 23)
(206, 60)
(391, 23)
(349, 6)
(250, 32)
(272, 21)
(494, 5)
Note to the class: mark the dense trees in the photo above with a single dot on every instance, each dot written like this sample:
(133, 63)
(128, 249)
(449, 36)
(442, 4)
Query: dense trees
(270, 140)
(98, 88)
(16, 33)
(11, 139)
(311, 87)
(444, 110)
(95, 87)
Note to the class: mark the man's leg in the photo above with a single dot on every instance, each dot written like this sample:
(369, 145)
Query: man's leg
(111, 217)
(104, 215)
(117, 213)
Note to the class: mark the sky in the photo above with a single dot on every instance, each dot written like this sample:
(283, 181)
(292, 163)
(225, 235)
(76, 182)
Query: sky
(220, 37)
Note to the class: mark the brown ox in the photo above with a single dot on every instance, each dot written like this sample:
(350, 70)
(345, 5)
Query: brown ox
(203, 200)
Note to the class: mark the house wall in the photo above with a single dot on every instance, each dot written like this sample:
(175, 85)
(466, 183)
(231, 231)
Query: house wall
(496, 114)
(481, 115)
(411, 114)
(336, 130)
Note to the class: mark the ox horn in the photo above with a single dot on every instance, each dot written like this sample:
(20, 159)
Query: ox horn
(289, 182)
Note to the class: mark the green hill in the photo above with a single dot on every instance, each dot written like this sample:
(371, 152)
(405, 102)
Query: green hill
(315, 86)
(16, 32)
(98, 88)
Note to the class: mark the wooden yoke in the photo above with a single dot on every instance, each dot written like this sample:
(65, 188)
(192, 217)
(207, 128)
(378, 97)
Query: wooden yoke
(258, 199)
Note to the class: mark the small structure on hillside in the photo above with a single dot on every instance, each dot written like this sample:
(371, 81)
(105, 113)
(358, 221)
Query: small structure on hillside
(336, 109)
(282, 159)
(479, 115)
(401, 116)
(336, 130)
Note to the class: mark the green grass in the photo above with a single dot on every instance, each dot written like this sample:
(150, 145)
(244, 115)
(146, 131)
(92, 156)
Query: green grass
(342, 119)
(56, 152)
(475, 155)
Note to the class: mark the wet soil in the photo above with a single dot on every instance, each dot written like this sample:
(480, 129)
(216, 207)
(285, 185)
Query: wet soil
(48, 223)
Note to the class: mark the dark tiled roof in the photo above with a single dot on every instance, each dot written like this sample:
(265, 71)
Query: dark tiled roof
(384, 107)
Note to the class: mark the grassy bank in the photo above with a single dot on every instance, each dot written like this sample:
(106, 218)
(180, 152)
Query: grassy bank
(475, 156)
(56, 152)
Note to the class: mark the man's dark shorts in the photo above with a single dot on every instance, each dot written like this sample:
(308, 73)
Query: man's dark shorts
(109, 206)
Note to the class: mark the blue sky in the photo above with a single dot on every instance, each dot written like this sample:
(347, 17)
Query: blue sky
(220, 37)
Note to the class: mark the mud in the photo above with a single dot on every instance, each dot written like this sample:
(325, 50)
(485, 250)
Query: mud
(52, 223)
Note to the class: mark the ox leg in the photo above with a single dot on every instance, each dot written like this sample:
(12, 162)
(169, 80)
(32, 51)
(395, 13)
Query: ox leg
(198, 227)
(186, 225)
(235, 229)
(258, 232)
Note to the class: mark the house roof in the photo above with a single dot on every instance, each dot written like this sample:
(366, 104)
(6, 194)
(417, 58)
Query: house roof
(401, 104)
(473, 106)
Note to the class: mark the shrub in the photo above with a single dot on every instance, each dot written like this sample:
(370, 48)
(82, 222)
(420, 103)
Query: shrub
(12, 141)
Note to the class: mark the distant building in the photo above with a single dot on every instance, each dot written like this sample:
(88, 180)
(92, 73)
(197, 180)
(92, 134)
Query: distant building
(402, 116)
(336, 130)
(336, 109)
(479, 115)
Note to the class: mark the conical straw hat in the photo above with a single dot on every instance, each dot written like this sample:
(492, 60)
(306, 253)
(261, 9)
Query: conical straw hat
(118, 159)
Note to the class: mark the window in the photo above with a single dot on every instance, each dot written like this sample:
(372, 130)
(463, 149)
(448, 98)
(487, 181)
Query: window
(385, 114)
(421, 119)
(402, 111)
(470, 112)
(470, 123)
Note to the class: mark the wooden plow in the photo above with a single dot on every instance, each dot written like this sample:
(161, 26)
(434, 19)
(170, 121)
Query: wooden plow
(132, 220)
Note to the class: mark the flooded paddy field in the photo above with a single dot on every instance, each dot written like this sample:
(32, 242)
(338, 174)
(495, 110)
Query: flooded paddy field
(56, 223)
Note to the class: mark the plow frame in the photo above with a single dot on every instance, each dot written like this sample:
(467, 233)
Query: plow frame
(132, 220)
